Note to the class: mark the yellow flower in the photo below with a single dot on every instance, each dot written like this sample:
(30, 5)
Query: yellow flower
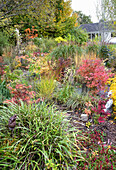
(88, 124)
(94, 153)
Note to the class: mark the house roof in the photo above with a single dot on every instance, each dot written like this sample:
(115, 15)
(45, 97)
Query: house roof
(96, 27)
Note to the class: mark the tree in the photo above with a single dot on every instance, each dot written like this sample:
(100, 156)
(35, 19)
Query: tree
(62, 21)
(24, 14)
(51, 18)
(106, 10)
(11, 8)
(39, 9)
(79, 35)
(82, 18)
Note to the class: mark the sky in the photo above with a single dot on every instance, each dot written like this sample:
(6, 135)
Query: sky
(88, 7)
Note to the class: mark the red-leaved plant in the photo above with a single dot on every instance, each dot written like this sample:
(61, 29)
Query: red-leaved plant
(99, 111)
(94, 74)
(21, 92)
(98, 156)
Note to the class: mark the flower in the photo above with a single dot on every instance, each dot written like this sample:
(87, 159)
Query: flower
(94, 153)
(88, 124)
(101, 119)
(87, 111)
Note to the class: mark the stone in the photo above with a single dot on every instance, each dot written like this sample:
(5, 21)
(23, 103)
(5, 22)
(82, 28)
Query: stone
(84, 117)
(109, 104)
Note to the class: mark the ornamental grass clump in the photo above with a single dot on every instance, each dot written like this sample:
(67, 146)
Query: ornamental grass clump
(41, 138)
(46, 87)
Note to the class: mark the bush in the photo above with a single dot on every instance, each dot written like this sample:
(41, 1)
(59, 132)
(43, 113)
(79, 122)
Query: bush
(3, 42)
(4, 91)
(93, 73)
(45, 44)
(98, 155)
(21, 92)
(104, 52)
(77, 101)
(79, 35)
(63, 94)
(41, 139)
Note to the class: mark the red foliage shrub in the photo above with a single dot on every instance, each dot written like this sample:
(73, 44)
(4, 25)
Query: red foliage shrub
(94, 74)
(22, 93)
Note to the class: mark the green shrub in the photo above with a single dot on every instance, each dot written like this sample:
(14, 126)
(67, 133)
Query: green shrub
(104, 52)
(41, 139)
(78, 35)
(63, 94)
(4, 91)
(3, 42)
(77, 100)
(45, 44)
(108, 53)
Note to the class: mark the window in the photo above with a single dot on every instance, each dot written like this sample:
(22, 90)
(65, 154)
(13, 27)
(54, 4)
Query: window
(89, 36)
(113, 34)
(93, 36)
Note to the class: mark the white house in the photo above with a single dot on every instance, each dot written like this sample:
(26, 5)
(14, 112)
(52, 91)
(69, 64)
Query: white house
(106, 30)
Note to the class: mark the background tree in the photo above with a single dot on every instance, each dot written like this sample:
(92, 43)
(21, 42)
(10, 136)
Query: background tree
(11, 8)
(106, 10)
(82, 18)
(23, 14)
(62, 21)
(51, 18)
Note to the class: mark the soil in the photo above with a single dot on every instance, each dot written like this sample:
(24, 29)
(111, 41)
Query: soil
(108, 127)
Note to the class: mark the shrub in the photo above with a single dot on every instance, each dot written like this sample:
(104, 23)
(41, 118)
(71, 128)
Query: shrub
(98, 155)
(45, 44)
(41, 139)
(60, 39)
(79, 35)
(94, 74)
(31, 47)
(104, 52)
(98, 113)
(21, 92)
(91, 48)
(59, 68)
(4, 91)
(13, 76)
(3, 42)
(78, 101)
(63, 94)
(1, 66)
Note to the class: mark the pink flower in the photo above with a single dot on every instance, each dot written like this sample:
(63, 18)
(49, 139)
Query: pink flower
(101, 119)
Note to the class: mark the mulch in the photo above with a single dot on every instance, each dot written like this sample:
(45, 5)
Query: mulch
(108, 127)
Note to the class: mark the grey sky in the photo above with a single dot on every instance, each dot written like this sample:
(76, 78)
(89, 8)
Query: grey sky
(88, 7)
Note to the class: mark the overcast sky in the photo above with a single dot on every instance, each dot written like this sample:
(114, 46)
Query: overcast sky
(88, 7)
